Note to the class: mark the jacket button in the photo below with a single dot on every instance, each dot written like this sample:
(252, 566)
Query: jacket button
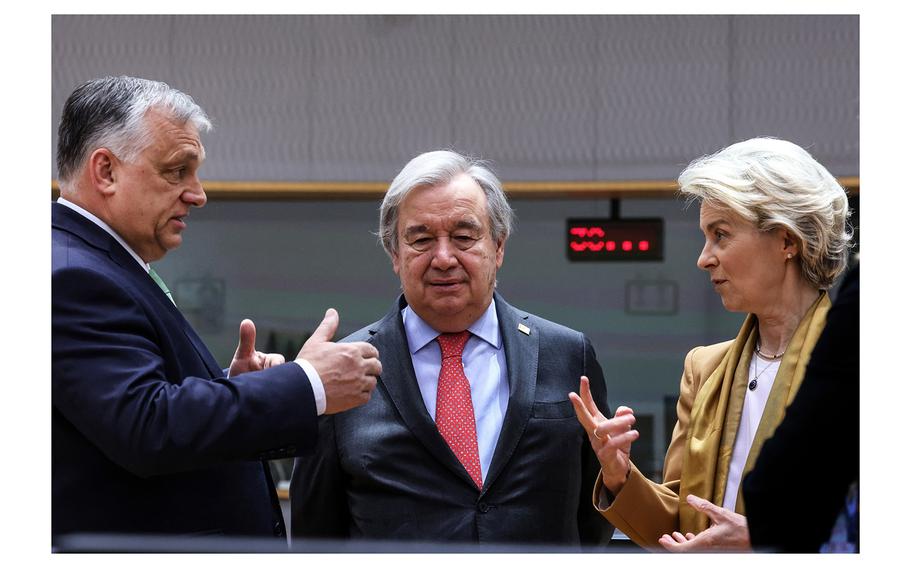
(483, 507)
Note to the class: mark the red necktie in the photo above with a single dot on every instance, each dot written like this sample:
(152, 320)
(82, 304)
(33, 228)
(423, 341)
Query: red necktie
(454, 411)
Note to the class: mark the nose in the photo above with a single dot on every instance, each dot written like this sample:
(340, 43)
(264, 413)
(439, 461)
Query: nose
(195, 194)
(706, 260)
(444, 254)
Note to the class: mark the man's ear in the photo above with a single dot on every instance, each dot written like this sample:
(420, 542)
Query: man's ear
(500, 253)
(102, 166)
(396, 265)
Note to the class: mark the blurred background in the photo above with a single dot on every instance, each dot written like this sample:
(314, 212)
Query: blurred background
(581, 116)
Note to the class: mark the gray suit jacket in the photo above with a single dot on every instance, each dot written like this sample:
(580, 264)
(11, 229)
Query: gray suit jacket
(383, 471)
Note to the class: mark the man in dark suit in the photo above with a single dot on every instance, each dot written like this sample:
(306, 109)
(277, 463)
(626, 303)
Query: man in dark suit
(149, 434)
(470, 435)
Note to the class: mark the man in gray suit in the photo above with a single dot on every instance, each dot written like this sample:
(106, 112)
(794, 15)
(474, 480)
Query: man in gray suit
(470, 435)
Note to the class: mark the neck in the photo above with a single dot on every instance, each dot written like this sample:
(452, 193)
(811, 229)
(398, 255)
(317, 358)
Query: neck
(777, 325)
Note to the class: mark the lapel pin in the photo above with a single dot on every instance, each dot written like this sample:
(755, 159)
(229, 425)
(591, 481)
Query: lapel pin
(524, 329)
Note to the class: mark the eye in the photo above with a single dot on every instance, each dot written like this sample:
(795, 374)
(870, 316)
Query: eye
(176, 174)
(421, 244)
(464, 242)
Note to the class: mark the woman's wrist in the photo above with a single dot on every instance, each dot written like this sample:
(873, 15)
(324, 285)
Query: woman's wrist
(615, 483)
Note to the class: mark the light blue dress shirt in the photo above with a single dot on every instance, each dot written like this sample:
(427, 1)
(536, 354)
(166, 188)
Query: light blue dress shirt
(484, 365)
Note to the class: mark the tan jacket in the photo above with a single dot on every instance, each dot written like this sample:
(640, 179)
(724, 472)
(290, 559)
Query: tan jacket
(645, 510)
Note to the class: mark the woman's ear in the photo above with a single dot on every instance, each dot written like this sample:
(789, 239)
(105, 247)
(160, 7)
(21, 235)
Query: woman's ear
(790, 244)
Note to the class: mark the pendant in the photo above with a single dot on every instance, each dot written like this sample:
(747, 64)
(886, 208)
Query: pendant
(753, 384)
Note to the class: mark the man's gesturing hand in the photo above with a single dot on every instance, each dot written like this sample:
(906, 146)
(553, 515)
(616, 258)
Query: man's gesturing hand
(348, 370)
(246, 358)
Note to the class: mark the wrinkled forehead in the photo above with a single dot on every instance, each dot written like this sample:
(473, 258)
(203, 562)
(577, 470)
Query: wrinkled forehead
(712, 214)
(459, 203)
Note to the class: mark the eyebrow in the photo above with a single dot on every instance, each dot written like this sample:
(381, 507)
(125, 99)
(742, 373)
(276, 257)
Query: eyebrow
(712, 225)
(186, 155)
(468, 224)
(415, 229)
(463, 224)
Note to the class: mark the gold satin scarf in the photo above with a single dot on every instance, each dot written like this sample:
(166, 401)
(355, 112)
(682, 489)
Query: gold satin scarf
(718, 405)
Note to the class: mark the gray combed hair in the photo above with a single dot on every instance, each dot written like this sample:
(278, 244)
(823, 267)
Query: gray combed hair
(776, 184)
(110, 113)
(438, 168)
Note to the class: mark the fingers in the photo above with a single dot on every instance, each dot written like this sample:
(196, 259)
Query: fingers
(247, 345)
(677, 542)
(678, 536)
(327, 328)
(584, 389)
(581, 413)
(367, 351)
(349, 371)
(271, 359)
(715, 513)
(615, 427)
(621, 442)
(622, 411)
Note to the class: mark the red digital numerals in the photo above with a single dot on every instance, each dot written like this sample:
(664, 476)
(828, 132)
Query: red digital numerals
(595, 240)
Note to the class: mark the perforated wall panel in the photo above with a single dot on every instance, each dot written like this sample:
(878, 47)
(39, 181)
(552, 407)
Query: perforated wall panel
(302, 98)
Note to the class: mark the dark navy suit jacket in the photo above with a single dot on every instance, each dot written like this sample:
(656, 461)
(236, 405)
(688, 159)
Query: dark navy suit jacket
(383, 471)
(148, 435)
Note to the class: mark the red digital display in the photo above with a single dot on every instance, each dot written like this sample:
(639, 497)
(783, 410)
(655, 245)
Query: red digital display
(615, 239)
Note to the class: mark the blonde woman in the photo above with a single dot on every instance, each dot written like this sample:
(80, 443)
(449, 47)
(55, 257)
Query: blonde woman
(775, 231)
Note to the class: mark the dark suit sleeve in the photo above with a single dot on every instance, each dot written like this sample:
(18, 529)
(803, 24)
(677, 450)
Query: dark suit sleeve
(593, 528)
(319, 506)
(802, 473)
(117, 378)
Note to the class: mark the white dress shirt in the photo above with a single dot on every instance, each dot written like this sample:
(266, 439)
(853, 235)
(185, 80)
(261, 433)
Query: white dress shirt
(312, 375)
(484, 365)
(753, 408)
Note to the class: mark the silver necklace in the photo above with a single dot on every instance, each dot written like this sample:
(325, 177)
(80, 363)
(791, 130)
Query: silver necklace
(772, 357)
(753, 384)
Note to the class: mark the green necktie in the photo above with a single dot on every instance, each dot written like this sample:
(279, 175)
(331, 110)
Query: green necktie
(161, 284)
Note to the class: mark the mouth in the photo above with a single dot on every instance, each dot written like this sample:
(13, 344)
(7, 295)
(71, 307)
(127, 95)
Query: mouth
(180, 221)
(717, 281)
(445, 285)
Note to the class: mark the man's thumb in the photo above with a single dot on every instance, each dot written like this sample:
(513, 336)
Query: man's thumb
(327, 328)
(247, 345)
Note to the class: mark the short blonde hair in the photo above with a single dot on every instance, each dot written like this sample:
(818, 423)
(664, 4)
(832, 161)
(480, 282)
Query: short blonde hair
(776, 184)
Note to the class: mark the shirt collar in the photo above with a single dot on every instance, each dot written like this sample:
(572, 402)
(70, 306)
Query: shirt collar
(104, 226)
(420, 334)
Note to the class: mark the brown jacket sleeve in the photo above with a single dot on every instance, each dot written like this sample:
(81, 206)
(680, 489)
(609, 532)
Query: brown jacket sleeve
(645, 510)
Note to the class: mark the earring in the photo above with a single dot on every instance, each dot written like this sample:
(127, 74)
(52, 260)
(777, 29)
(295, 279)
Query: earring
(789, 255)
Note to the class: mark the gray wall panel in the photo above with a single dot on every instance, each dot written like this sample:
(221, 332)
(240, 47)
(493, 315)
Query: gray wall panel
(382, 90)
(249, 73)
(298, 98)
(662, 86)
(523, 94)
(797, 77)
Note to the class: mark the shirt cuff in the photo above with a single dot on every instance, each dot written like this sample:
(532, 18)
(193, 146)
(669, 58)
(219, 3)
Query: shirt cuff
(316, 383)
(604, 497)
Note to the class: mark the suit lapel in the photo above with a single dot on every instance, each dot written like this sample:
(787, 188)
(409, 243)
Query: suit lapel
(521, 360)
(68, 220)
(400, 382)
